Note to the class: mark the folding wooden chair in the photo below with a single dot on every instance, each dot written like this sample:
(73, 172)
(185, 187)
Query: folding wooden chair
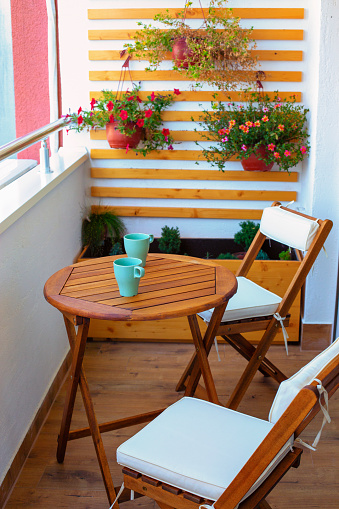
(199, 453)
(255, 309)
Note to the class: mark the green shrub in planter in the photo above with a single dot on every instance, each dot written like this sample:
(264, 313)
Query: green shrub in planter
(169, 241)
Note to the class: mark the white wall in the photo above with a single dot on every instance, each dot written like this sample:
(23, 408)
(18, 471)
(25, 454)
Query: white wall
(32, 333)
(318, 186)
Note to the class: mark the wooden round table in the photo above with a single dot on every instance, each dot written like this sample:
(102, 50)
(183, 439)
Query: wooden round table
(173, 286)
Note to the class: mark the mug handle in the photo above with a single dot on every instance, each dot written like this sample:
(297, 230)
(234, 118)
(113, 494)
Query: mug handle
(151, 238)
(139, 272)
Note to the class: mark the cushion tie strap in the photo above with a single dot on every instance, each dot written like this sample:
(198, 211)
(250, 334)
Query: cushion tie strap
(283, 328)
(217, 348)
(326, 418)
(118, 495)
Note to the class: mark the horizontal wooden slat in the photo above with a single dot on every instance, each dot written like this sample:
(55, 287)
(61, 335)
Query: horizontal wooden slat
(172, 155)
(293, 76)
(271, 55)
(244, 13)
(191, 194)
(154, 174)
(185, 212)
(257, 34)
(201, 95)
(100, 134)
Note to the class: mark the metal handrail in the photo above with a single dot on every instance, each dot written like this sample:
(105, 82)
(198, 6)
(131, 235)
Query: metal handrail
(29, 139)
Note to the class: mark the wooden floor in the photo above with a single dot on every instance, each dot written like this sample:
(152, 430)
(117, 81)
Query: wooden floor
(128, 378)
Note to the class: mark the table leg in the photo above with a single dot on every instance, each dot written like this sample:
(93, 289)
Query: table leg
(199, 363)
(78, 377)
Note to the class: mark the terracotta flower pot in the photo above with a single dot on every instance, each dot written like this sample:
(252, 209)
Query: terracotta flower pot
(116, 139)
(182, 55)
(255, 164)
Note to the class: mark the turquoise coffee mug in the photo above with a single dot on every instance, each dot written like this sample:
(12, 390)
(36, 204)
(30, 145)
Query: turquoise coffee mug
(137, 245)
(128, 272)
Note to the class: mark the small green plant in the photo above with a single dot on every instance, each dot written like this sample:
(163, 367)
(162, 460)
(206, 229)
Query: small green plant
(227, 256)
(285, 255)
(100, 231)
(246, 234)
(262, 255)
(116, 249)
(169, 241)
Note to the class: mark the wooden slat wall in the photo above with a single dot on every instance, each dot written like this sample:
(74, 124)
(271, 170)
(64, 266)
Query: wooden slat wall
(252, 191)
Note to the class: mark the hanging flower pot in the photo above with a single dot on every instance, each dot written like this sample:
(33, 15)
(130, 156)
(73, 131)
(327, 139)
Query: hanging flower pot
(181, 53)
(252, 163)
(117, 139)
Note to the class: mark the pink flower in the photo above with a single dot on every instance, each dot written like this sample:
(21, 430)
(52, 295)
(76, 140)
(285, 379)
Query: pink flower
(152, 96)
(244, 148)
(123, 114)
(265, 118)
(225, 139)
(177, 91)
(281, 127)
(79, 110)
(170, 147)
(287, 153)
(277, 155)
(271, 147)
(277, 106)
(127, 148)
(265, 109)
(140, 122)
(110, 106)
(303, 149)
(279, 99)
(80, 120)
(93, 102)
(148, 113)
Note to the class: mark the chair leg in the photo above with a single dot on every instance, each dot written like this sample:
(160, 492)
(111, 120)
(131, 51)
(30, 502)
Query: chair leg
(247, 350)
(264, 505)
(252, 366)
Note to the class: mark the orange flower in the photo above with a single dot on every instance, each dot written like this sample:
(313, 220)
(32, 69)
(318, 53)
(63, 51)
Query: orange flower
(265, 118)
(281, 127)
(257, 123)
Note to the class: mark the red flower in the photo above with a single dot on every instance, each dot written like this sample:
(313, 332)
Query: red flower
(140, 122)
(127, 148)
(165, 132)
(177, 91)
(152, 96)
(123, 115)
(110, 106)
(80, 120)
(111, 118)
(93, 102)
(131, 98)
(79, 110)
(148, 113)
(138, 99)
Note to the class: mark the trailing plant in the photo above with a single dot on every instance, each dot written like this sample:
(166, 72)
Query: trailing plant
(262, 255)
(246, 234)
(170, 241)
(129, 112)
(238, 130)
(218, 53)
(101, 231)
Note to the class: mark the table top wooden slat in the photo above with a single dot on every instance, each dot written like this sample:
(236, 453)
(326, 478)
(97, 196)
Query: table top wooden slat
(172, 286)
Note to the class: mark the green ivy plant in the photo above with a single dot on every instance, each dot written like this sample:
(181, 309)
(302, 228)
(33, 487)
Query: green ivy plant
(219, 53)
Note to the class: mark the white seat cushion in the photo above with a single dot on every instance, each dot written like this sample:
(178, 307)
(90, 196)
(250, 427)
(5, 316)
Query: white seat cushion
(289, 388)
(288, 228)
(197, 446)
(250, 300)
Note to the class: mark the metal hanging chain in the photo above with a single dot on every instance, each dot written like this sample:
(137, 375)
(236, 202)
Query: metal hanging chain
(260, 76)
(125, 67)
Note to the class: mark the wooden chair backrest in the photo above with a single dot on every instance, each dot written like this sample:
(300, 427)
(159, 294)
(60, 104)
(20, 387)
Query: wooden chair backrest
(294, 420)
(306, 263)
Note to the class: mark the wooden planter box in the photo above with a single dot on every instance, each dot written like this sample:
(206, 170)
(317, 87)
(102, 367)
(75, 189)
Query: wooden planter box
(274, 275)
